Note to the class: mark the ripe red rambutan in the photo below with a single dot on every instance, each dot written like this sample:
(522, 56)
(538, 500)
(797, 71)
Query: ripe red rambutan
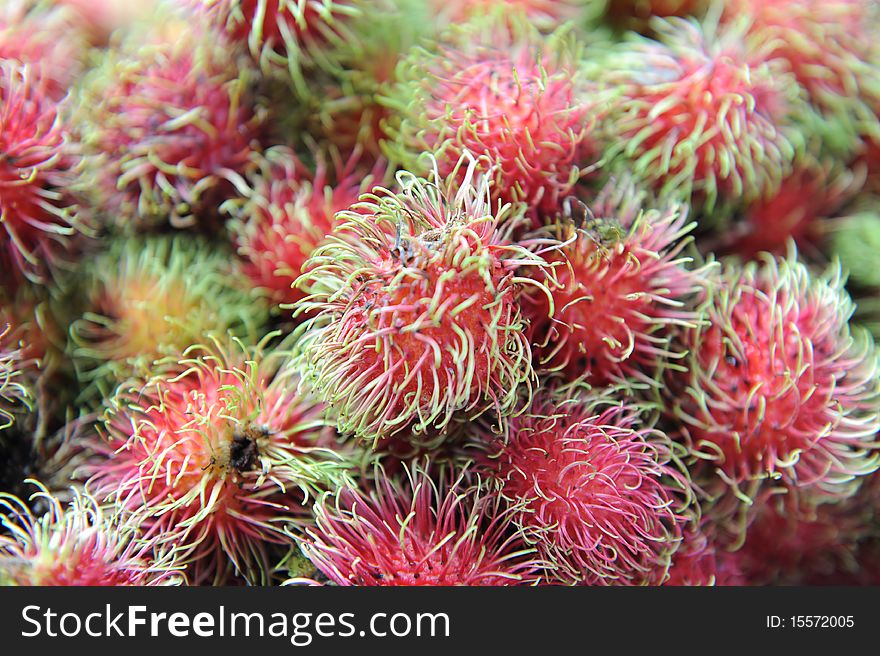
(417, 531)
(504, 93)
(617, 289)
(416, 302)
(149, 298)
(778, 386)
(216, 459)
(37, 170)
(289, 34)
(595, 491)
(45, 37)
(169, 121)
(700, 115)
(812, 192)
(831, 48)
(285, 213)
(76, 546)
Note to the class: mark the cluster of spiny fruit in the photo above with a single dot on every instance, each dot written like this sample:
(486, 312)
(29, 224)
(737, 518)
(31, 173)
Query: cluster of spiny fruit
(438, 292)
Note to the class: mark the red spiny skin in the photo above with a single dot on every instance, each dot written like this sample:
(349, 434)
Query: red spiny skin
(44, 37)
(829, 45)
(37, 210)
(596, 494)
(416, 532)
(416, 311)
(698, 562)
(778, 387)
(520, 103)
(215, 461)
(288, 213)
(76, 546)
(615, 298)
(174, 122)
(811, 193)
(701, 115)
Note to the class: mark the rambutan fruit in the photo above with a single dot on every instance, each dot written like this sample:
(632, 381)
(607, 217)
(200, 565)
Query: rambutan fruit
(699, 115)
(216, 458)
(855, 241)
(504, 93)
(700, 562)
(415, 530)
(289, 34)
(14, 393)
(416, 303)
(37, 170)
(285, 212)
(76, 546)
(778, 386)
(153, 297)
(619, 284)
(797, 211)
(830, 46)
(44, 36)
(597, 492)
(168, 122)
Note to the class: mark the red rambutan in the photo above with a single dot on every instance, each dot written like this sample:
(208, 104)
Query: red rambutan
(699, 115)
(617, 288)
(285, 213)
(416, 531)
(504, 93)
(169, 122)
(778, 386)
(37, 171)
(417, 316)
(596, 492)
(216, 459)
(76, 546)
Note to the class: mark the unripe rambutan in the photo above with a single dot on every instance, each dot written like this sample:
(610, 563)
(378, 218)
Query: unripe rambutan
(778, 386)
(37, 171)
(505, 93)
(168, 121)
(699, 115)
(596, 492)
(215, 458)
(417, 313)
(45, 37)
(415, 531)
(855, 241)
(617, 289)
(76, 546)
(153, 297)
(288, 34)
(831, 48)
(285, 213)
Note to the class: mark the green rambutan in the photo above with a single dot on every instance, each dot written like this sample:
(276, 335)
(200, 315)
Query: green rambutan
(153, 297)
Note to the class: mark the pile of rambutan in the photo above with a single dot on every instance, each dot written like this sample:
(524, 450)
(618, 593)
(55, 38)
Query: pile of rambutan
(476, 292)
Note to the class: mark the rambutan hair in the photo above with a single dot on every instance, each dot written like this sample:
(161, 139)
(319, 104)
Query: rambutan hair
(295, 35)
(46, 37)
(423, 528)
(37, 172)
(217, 458)
(621, 282)
(154, 297)
(76, 546)
(285, 211)
(779, 391)
(416, 303)
(14, 392)
(504, 92)
(699, 115)
(598, 493)
(168, 122)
